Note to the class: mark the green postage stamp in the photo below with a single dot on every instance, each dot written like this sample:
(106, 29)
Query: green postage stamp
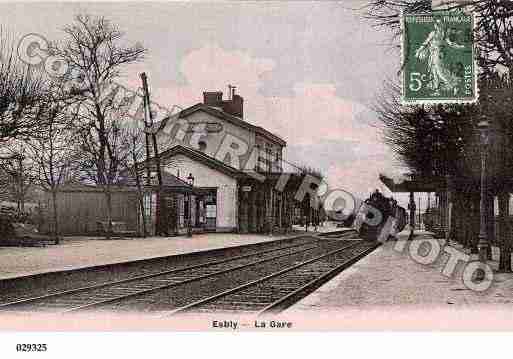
(438, 58)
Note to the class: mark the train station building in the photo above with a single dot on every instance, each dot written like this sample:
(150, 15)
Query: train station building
(235, 169)
(219, 172)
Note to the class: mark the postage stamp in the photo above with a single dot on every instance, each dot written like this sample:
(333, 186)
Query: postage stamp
(438, 58)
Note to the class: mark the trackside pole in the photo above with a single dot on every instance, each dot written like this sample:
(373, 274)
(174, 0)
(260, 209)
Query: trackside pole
(411, 207)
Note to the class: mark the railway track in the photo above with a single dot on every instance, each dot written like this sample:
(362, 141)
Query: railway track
(16, 289)
(276, 292)
(101, 294)
(338, 233)
(308, 257)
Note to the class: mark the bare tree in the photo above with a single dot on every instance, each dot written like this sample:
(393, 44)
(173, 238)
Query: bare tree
(494, 25)
(16, 177)
(21, 87)
(94, 48)
(52, 152)
(136, 138)
(440, 140)
(454, 150)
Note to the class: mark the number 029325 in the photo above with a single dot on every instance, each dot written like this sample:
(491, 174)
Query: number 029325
(31, 347)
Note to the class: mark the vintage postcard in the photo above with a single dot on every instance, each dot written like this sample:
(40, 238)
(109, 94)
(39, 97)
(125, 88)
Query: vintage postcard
(255, 166)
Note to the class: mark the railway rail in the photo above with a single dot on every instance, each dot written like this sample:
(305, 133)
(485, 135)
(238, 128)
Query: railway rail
(31, 286)
(96, 294)
(276, 292)
(338, 233)
(104, 293)
(307, 257)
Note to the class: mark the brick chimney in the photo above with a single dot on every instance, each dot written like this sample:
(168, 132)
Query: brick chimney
(233, 106)
(213, 98)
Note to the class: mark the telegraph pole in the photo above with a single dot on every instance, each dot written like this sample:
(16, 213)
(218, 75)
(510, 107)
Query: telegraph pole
(147, 140)
(146, 95)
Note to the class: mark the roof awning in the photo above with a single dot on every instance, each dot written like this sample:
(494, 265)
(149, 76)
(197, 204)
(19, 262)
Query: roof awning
(285, 181)
(416, 185)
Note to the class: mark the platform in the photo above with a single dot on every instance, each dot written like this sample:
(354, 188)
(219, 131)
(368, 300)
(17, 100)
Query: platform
(391, 279)
(82, 252)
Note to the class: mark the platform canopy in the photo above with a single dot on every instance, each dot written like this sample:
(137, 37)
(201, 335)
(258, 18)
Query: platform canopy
(413, 185)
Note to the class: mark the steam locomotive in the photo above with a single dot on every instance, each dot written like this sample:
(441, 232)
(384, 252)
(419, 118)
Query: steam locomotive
(380, 216)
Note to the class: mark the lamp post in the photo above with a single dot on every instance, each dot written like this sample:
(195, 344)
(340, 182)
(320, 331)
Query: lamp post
(438, 124)
(483, 244)
(412, 208)
(190, 181)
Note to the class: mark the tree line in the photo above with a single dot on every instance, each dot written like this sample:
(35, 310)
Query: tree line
(54, 130)
(441, 143)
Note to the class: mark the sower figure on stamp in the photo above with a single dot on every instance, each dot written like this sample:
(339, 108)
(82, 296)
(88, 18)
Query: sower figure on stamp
(432, 50)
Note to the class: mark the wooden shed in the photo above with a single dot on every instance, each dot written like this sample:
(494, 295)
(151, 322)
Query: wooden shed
(81, 206)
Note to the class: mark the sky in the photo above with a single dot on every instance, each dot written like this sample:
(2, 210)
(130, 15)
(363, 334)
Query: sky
(308, 71)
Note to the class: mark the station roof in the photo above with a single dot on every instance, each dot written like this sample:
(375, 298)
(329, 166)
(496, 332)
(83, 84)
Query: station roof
(414, 185)
(235, 120)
